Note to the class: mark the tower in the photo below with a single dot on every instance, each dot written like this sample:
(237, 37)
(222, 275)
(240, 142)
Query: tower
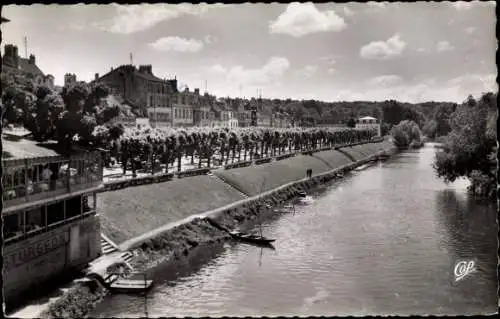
(25, 47)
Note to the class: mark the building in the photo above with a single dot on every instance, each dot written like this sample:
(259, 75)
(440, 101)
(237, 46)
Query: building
(12, 61)
(141, 122)
(204, 114)
(140, 87)
(49, 213)
(369, 122)
(69, 79)
(225, 116)
(244, 118)
(160, 117)
(264, 118)
(281, 120)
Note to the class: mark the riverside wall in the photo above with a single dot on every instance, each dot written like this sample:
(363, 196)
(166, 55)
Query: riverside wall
(162, 223)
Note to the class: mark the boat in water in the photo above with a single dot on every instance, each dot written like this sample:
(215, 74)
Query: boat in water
(362, 167)
(304, 198)
(250, 238)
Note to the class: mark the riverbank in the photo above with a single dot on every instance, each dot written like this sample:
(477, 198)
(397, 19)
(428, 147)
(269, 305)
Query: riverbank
(152, 227)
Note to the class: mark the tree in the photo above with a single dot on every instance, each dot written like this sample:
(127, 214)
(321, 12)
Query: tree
(405, 133)
(18, 95)
(351, 122)
(469, 150)
(42, 115)
(430, 129)
(86, 108)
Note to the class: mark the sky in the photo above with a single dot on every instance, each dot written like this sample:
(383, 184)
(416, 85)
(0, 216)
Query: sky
(412, 52)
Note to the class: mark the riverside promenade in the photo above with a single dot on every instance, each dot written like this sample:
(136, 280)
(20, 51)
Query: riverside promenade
(135, 215)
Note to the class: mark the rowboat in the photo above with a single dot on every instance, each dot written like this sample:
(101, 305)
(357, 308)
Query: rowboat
(362, 167)
(249, 238)
(131, 285)
(115, 284)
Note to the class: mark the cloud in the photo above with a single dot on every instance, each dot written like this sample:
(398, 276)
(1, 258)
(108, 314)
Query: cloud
(383, 50)
(331, 70)
(135, 18)
(330, 59)
(308, 71)
(454, 90)
(385, 80)
(167, 44)
(444, 46)
(348, 12)
(378, 5)
(470, 30)
(270, 72)
(423, 50)
(462, 5)
(474, 84)
(217, 68)
(300, 19)
(210, 39)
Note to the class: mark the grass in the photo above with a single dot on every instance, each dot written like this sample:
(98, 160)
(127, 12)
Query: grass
(363, 151)
(256, 179)
(334, 158)
(130, 212)
(250, 180)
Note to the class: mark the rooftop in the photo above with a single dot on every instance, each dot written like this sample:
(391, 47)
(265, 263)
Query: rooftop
(18, 147)
(32, 68)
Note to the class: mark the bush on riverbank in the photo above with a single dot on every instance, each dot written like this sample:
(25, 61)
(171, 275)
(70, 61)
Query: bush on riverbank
(471, 147)
(406, 133)
(77, 302)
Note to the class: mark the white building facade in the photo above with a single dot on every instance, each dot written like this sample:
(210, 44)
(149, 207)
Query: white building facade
(367, 123)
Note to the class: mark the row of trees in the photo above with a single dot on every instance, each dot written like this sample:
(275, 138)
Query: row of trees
(168, 145)
(470, 149)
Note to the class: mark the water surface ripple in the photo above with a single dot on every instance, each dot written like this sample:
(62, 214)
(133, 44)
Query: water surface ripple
(381, 241)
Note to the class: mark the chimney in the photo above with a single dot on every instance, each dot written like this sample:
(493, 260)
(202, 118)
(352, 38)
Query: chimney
(97, 76)
(111, 69)
(32, 59)
(197, 91)
(149, 69)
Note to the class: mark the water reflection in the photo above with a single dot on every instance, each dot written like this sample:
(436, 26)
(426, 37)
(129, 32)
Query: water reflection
(380, 241)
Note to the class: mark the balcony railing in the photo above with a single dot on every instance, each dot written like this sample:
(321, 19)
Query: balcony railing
(27, 180)
(19, 236)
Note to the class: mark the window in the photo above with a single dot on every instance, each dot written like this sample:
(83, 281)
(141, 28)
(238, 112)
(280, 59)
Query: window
(13, 225)
(55, 213)
(35, 218)
(73, 207)
(175, 113)
(151, 100)
(89, 203)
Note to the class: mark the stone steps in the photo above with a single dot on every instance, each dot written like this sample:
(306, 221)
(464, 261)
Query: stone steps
(106, 247)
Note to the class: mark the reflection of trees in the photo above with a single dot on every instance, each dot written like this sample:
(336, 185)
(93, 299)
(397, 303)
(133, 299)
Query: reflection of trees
(185, 266)
(470, 226)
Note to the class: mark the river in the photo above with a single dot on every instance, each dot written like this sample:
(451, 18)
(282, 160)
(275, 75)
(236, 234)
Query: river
(384, 240)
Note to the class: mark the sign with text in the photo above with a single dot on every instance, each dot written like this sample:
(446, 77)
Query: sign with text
(33, 250)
